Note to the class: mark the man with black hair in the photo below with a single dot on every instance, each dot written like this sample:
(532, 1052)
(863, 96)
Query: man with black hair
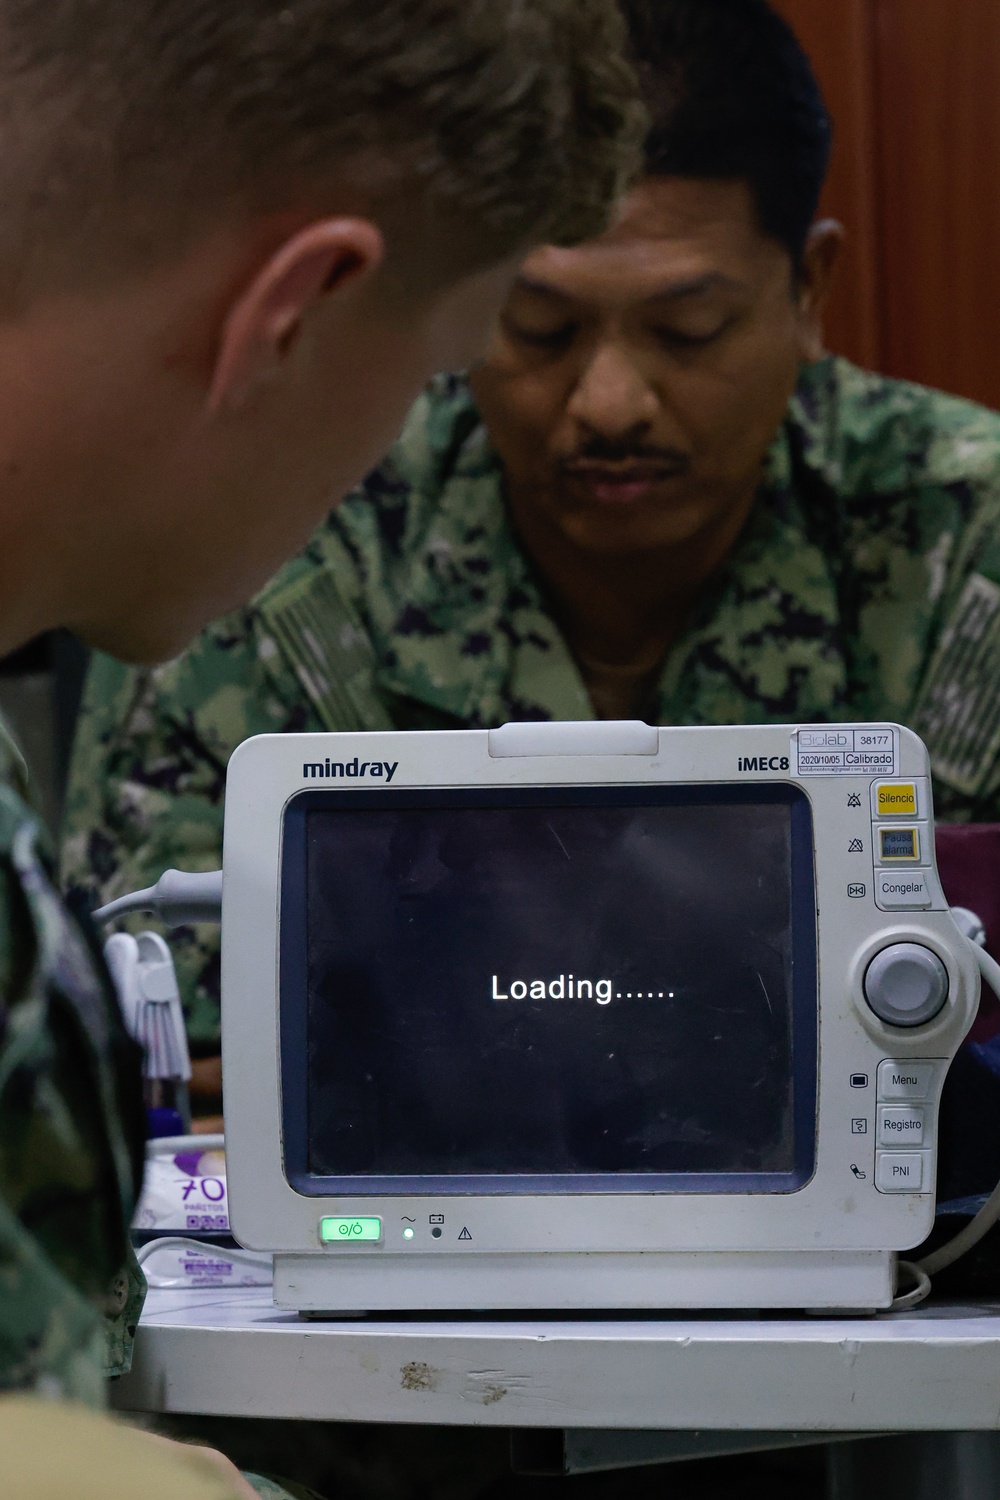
(236, 241)
(658, 498)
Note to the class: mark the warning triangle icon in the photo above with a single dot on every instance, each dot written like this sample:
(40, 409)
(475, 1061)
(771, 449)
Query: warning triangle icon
(465, 1235)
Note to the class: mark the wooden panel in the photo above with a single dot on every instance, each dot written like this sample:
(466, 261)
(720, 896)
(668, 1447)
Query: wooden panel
(838, 35)
(938, 98)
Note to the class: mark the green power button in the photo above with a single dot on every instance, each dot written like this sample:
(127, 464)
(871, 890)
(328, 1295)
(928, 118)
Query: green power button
(349, 1231)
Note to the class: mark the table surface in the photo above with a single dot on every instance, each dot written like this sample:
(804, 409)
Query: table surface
(232, 1353)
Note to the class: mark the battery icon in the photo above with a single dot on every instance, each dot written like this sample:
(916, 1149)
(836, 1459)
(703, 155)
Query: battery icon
(435, 1219)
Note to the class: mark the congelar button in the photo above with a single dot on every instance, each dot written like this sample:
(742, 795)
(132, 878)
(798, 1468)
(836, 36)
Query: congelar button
(907, 890)
(906, 985)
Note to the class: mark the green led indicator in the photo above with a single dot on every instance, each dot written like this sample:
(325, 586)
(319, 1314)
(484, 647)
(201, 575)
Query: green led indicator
(407, 1233)
(350, 1231)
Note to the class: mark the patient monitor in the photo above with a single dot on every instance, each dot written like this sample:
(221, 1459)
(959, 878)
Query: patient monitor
(568, 1016)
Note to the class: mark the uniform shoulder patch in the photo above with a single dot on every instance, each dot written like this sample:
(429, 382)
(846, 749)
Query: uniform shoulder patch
(327, 649)
(957, 713)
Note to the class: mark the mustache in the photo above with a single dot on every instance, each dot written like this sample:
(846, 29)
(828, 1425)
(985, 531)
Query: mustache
(599, 450)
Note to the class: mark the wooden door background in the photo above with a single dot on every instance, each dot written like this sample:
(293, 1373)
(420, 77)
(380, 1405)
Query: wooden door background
(914, 89)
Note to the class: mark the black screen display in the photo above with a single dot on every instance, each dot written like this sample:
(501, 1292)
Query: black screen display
(550, 986)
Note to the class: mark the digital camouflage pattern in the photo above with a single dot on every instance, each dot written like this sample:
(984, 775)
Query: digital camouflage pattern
(866, 585)
(71, 1149)
(71, 1137)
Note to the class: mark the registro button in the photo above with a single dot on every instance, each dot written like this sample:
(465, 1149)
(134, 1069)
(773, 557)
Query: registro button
(901, 1171)
(901, 1125)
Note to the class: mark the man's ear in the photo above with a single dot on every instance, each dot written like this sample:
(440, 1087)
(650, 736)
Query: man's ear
(263, 324)
(819, 262)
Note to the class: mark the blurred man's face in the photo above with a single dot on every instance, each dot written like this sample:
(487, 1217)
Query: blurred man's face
(636, 382)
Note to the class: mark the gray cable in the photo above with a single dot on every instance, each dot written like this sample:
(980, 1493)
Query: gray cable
(990, 1211)
(177, 898)
(203, 1247)
(984, 1220)
(922, 1289)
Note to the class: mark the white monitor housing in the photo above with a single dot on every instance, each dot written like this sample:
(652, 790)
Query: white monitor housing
(568, 1016)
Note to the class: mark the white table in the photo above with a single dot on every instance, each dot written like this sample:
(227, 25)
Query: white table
(231, 1353)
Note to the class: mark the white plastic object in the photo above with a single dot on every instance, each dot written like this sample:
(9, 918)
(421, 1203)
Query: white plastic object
(971, 925)
(178, 897)
(977, 1228)
(177, 1264)
(183, 1187)
(600, 737)
(144, 976)
(830, 1243)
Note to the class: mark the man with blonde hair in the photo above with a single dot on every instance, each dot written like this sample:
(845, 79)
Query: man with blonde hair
(236, 239)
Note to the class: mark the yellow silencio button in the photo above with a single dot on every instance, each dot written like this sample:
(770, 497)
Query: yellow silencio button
(897, 799)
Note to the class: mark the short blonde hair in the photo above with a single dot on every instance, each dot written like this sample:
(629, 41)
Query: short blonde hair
(129, 121)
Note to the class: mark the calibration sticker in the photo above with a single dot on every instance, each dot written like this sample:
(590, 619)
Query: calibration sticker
(845, 752)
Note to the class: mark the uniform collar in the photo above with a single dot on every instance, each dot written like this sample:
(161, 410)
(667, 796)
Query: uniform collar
(458, 619)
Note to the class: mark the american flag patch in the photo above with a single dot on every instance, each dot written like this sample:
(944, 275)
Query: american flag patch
(958, 711)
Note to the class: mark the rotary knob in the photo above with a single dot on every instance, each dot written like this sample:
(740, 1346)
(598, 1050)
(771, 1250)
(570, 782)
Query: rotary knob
(906, 985)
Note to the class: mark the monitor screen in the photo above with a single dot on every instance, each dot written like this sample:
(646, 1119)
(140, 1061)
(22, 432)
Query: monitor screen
(548, 989)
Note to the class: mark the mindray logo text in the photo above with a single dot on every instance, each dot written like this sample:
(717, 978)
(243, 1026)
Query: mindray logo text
(380, 769)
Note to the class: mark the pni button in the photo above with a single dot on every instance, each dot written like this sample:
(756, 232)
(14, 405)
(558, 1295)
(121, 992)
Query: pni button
(895, 799)
(904, 1080)
(900, 1125)
(901, 1171)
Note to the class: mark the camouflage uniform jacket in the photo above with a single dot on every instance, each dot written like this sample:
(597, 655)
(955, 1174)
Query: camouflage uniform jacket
(866, 584)
(71, 1132)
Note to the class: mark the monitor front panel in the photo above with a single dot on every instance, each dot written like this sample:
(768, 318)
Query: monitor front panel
(531, 990)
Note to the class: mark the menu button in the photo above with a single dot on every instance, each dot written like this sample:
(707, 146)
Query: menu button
(904, 1081)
